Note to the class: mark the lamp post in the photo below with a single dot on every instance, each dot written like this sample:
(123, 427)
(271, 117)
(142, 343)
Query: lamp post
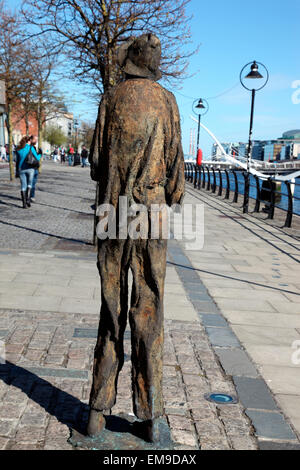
(76, 124)
(253, 74)
(200, 109)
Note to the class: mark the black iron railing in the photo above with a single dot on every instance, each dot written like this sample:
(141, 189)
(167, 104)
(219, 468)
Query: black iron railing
(263, 191)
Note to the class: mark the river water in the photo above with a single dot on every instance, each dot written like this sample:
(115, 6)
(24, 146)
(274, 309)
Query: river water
(283, 203)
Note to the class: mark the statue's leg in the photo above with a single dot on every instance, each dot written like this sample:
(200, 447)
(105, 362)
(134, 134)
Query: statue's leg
(109, 350)
(148, 264)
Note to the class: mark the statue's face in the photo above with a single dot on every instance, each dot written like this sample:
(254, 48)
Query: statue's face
(146, 52)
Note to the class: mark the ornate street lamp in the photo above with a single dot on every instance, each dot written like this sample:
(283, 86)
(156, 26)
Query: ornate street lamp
(200, 109)
(253, 74)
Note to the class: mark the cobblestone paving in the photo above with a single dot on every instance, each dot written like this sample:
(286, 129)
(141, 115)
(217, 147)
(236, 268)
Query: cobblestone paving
(45, 384)
(62, 213)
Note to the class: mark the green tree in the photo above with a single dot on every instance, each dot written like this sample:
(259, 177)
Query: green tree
(55, 136)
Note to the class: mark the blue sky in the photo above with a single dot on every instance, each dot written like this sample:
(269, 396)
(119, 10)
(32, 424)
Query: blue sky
(232, 33)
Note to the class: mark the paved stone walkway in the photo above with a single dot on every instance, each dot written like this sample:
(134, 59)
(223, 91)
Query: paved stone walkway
(252, 272)
(49, 313)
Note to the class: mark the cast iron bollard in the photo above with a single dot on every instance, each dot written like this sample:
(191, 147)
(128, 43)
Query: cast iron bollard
(246, 192)
(289, 216)
(214, 185)
(220, 184)
(236, 191)
(227, 195)
(257, 203)
(208, 179)
(272, 199)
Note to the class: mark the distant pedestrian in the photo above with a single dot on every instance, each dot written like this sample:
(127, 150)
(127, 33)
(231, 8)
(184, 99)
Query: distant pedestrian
(3, 153)
(71, 155)
(55, 155)
(63, 155)
(84, 156)
(35, 179)
(7, 152)
(27, 161)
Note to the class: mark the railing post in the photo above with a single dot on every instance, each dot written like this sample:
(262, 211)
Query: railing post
(228, 185)
(185, 170)
(203, 182)
(257, 204)
(208, 179)
(272, 201)
(192, 173)
(289, 217)
(246, 192)
(195, 177)
(236, 191)
(214, 185)
(221, 184)
(199, 178)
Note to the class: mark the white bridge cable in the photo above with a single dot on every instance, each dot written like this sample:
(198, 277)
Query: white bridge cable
(291, 177)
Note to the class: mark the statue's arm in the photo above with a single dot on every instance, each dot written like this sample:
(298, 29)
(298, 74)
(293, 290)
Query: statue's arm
(175, 160)
(96, 146)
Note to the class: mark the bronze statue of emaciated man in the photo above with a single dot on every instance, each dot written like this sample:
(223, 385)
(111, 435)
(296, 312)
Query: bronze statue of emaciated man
(137, 153)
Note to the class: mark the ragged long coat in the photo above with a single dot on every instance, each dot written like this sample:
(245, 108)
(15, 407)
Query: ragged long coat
(136, 150)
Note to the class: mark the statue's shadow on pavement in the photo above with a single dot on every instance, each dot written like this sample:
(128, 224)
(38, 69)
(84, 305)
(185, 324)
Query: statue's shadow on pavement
(70, 411)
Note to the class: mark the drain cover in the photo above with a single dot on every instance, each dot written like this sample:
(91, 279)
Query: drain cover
(221, 398)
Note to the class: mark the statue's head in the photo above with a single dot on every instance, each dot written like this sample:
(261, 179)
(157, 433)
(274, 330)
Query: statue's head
(141, 56)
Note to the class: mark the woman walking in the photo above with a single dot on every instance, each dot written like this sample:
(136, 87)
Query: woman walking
(27, 162)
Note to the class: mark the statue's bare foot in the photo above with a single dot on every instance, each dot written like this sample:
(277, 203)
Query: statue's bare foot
(147, 430)
(96, 423)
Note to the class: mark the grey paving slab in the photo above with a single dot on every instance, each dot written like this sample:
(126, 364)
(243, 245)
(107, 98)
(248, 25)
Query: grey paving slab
(222, 337)
(205, 306)
(213, 319)
(199, 295)
(254, 393)
(236, 362)
(277, 445)
(271, 425)
(85, 333)
(3, 333)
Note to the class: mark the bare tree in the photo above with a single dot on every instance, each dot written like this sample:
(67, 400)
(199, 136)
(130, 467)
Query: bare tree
(48, 102)
(87, 132)
(90, 32)
(12, 69)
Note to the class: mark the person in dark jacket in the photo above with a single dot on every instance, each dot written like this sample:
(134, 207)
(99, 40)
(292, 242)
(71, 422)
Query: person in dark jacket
(35, 179)
(24, 170)
(84, 156)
